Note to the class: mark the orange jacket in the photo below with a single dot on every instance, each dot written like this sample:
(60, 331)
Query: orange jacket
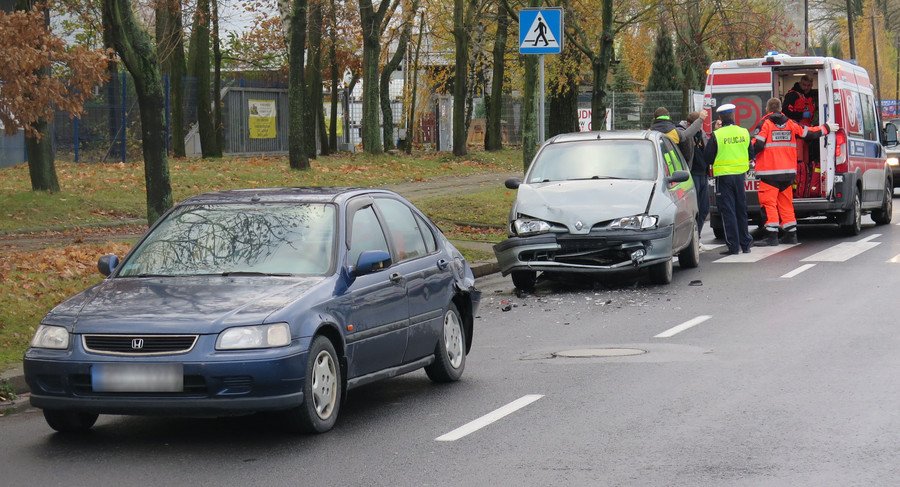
(776, 144)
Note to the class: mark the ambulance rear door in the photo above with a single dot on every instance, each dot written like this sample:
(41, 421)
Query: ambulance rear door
(829, 101)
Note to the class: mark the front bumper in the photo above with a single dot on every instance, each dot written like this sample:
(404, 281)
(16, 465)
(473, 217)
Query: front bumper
(596, 252)
(214, 387)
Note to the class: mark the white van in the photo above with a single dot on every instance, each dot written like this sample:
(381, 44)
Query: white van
(852, 176)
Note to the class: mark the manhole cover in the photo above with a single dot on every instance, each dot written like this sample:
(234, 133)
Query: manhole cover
(599, 352)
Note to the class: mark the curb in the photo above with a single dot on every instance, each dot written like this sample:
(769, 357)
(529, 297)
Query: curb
(481, 269)
(17, 405)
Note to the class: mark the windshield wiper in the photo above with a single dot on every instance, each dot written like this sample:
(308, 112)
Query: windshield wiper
(254, 273)
(596, 177)
(146, 275)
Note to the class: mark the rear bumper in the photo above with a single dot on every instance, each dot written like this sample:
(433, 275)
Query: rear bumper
(605, 252)
(840, 202)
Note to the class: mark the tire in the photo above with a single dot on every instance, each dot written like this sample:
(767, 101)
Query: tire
(321, 391)
(450, 353)
(717, 227)
(70, 421)
(524, 280)
(689, 257)
(661, 273)
(883, 215)
(855, 226)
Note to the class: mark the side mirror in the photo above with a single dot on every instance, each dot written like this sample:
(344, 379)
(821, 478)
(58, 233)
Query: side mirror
(678, 177)
(890, 134)
(512, 183)
(371, 261)
(107, 264)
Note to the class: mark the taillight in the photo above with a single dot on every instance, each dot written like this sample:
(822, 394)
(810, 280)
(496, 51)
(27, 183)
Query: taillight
(840, 152)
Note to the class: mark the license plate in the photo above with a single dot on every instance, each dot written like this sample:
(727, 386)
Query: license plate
(137, 378)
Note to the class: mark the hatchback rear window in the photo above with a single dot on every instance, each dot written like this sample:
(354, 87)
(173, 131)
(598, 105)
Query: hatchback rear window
(595, 159)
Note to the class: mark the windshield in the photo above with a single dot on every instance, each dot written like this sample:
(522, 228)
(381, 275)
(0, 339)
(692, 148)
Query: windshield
(595, 159)
(224, 239)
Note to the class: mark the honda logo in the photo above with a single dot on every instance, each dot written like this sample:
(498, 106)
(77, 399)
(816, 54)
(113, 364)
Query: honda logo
(137, 343)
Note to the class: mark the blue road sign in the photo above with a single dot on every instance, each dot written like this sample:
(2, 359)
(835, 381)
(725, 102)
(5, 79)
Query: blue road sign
(541, 31)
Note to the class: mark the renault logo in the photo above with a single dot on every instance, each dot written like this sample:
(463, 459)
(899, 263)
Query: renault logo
(579, 225)
(137, 343)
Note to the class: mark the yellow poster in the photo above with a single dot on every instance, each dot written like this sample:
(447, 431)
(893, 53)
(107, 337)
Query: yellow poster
(262, 119)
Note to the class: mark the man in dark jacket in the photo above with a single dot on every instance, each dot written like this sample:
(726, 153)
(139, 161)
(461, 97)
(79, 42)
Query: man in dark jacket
(699, 170)
(683, 138)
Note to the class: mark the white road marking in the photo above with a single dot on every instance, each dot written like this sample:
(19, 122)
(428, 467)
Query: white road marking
(798, 270)
(489, 418)
(756, 254)
(684, 326)
(895, 260)
(844, 251)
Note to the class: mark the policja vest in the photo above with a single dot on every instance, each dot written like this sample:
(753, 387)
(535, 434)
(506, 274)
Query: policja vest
(732, 155)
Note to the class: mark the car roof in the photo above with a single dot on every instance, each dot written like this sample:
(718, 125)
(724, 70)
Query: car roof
(298, 194)
(606, 135)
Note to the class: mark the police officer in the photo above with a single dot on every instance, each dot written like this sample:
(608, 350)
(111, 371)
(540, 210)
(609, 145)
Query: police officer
(775, 147)
(730, 151)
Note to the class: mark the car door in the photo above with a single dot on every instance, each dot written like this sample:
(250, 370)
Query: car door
(682, 195)
(425, 271)
(379, 311)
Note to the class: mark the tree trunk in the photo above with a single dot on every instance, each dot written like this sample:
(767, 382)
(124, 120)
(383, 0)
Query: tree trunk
(297, 155)
(134, 48)
(461, 39)
(41, 166)
(199, 67)
(387, 114)
(410, 125)
(492, 136)
(564, 106)
(313, 76)
(177, 71)
(218, 127)
(600, 68)
(371, 139)
(332, 52)
(112, 95)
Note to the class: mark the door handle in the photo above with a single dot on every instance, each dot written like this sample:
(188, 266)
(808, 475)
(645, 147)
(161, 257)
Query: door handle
(396, 278)
(442, 264)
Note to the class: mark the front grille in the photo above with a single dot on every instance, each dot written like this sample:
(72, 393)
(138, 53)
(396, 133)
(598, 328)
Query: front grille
(139, 345)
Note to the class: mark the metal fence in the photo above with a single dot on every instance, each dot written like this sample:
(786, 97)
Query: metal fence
(110, 127)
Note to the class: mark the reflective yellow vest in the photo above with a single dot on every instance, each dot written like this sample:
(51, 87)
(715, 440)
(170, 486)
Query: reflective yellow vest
(732, 157)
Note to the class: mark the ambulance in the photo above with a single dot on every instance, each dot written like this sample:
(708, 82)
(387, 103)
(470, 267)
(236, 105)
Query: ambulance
(849, 175)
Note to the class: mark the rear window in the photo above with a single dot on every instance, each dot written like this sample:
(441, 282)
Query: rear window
(595, 159)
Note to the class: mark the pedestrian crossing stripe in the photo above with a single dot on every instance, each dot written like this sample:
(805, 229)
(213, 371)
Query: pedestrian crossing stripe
(539, 34)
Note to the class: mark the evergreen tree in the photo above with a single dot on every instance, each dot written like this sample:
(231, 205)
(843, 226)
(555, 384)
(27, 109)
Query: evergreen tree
(665, 74)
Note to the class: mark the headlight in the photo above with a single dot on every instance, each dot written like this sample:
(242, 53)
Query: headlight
(892, 161)
(636, 222)
(527, 226)
(260, 336)
(48, 336)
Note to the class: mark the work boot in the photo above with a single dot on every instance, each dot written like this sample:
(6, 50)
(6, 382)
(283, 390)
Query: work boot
(771, 240)
(790, 237)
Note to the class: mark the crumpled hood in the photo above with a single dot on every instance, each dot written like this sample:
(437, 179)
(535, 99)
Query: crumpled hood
(589, 201)
(204, 304)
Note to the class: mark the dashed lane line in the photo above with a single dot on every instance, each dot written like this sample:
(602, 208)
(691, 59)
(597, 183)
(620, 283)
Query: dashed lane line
(489, 418)
(798, 270)
(895, 260)
(684, 326)
(844, 250)
(756, 254)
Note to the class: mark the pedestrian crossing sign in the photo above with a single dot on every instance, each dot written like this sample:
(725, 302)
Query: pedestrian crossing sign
(540, 31)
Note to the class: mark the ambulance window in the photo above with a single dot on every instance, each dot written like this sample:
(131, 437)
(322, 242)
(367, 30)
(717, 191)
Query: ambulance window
(868, 112)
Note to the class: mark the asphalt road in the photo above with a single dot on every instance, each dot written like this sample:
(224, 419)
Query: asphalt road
(787, 377)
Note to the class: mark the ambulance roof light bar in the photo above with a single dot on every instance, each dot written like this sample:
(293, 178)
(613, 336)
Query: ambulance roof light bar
(770, 58)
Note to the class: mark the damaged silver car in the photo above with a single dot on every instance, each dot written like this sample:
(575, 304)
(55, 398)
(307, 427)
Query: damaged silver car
(602, 202)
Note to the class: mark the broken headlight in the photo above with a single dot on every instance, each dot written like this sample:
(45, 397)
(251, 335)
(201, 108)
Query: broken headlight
(636, 222)
(529, 226)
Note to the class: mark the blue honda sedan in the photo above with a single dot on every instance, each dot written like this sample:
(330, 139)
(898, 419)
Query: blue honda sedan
(258, 300)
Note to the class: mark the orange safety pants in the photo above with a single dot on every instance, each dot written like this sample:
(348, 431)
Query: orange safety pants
(779, 206)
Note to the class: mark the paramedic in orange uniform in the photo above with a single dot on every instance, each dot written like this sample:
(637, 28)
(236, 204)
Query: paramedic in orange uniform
(775, 147)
